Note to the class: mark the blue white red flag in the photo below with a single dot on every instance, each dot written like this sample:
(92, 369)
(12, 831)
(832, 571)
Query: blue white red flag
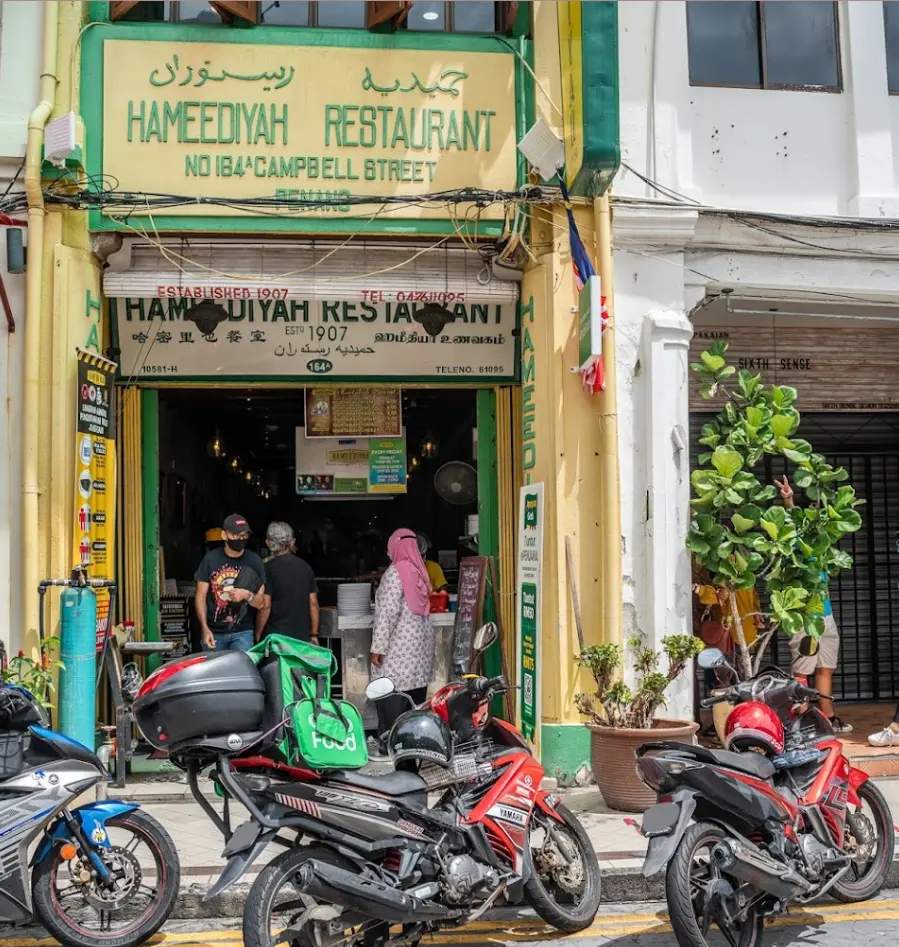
(594, 376)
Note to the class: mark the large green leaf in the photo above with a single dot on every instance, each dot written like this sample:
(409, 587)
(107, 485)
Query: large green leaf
(784, 424)
(742, 524)
(712, 363)
(726, 461)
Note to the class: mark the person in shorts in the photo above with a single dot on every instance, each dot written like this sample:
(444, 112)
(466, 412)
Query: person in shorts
(818, 662)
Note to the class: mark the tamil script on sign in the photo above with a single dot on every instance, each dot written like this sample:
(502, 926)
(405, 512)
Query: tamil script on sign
(340, 339)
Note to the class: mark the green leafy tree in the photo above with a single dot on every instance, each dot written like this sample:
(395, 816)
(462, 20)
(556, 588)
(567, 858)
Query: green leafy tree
(614, 704)
(740, 531)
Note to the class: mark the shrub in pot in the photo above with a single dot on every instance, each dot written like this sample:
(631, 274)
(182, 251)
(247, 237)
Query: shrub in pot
(621, 719)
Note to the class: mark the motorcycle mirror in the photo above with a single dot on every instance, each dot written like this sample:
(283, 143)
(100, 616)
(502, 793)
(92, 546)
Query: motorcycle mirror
(379, 689)
(711, 658)
(485, 636)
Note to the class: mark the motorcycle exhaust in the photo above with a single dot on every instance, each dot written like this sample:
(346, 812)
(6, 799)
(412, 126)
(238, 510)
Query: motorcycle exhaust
(366, 895)
(755, 867)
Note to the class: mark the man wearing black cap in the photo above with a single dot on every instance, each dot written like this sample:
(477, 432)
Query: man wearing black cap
(229, 590)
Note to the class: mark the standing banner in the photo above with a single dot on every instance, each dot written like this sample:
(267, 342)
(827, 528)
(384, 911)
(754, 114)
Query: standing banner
(530, 559)
(95, 469)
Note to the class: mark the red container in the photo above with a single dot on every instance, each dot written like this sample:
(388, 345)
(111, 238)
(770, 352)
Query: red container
(439, 602)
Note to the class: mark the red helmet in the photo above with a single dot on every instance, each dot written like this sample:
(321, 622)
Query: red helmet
(754, 726)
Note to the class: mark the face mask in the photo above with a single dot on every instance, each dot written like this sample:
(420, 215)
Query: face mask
(238, 545)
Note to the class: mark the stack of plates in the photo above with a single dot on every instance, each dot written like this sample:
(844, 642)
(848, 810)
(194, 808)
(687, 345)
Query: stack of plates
(354, 599)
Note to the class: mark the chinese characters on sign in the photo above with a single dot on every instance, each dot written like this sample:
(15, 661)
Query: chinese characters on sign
(353, 412)
(324, 338)
(95, 467)
(530, 556)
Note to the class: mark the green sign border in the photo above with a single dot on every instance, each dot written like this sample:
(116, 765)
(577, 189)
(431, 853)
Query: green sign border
(95, 36)
(600, 94)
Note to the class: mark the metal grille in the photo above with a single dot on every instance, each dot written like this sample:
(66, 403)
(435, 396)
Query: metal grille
(866, 598)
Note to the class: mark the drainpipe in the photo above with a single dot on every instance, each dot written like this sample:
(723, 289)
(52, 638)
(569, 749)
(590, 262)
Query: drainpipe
(610, 589)
(34, 315)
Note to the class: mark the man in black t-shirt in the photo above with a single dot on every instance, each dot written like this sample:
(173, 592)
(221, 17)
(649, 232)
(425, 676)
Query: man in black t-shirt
(230, 587)
(291, 598)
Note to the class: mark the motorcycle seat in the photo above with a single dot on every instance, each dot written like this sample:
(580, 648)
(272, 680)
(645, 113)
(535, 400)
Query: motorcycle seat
(397, 783)
(754, 764)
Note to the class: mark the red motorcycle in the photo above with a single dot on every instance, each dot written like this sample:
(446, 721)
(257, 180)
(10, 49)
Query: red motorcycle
(778, 817)
(460, 826)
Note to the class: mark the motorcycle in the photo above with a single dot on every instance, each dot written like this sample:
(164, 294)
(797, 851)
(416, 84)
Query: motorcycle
(104, 874)
(371, 861)
(780, 817)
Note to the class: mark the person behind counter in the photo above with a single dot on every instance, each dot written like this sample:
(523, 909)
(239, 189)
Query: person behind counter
(291, 599)
(403, 640)
(229, 588)
(435, 572)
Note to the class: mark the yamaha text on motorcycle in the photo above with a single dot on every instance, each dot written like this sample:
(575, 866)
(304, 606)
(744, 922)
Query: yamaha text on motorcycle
(460, 826)
(778, 818)
(102, 875)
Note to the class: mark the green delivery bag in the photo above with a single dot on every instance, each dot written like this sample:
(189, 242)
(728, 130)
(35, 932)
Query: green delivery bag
(296, 674)
(329, 734)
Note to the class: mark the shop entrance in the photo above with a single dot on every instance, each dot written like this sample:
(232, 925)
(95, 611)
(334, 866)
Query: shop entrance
(236, 449)
(866, 597)
(248, 450)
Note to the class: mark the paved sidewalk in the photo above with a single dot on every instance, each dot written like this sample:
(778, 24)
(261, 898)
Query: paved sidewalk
(615, 838)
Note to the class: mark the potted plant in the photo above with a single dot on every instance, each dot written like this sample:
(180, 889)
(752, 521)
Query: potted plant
(741, 534)
(36, 675)
(621, 719)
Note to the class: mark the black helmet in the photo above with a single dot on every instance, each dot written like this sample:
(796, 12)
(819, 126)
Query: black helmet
(422, 736)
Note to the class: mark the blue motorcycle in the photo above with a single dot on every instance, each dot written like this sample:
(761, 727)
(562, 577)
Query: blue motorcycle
(104, 874)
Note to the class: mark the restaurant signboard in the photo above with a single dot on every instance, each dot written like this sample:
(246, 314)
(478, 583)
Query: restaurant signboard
(227, 122)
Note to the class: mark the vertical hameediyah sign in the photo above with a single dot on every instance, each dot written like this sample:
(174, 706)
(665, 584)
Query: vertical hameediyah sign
(95, 475)
(588, 51)
(530, 556)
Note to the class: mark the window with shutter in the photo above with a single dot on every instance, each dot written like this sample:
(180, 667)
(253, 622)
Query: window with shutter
(386, 11)
(119, 8)
(231, 10)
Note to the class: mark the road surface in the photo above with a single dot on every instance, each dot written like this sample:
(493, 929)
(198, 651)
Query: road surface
(618, 925)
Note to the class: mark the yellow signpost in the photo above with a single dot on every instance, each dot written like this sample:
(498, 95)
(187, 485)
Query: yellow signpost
(95, 475)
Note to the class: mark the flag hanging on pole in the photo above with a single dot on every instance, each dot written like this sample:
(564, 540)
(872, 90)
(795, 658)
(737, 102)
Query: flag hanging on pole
(592, 369)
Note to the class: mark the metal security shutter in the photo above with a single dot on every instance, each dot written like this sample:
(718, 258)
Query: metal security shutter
(307, 270)
(865, 598)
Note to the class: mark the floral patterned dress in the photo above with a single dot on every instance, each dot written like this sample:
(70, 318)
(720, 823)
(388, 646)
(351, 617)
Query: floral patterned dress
(405, 639)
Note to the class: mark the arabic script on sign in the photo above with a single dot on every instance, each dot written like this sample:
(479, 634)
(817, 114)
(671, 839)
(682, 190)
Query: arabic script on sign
(277, 78)
(446, 82)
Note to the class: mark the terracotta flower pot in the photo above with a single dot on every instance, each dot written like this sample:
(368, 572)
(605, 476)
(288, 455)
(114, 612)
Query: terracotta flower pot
(613, 758)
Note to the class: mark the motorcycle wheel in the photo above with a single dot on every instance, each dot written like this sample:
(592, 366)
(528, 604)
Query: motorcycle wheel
(275, 904)
(868, 870)
(567, 901)
(690, 873)
(125, 913)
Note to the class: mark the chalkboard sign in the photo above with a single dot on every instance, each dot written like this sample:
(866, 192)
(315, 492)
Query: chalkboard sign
(469, 610)
(174, 617)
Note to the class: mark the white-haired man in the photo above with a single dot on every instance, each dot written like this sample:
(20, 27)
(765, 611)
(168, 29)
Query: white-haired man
(291, 592)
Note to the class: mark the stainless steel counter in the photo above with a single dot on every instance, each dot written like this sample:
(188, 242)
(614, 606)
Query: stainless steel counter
(355, 637)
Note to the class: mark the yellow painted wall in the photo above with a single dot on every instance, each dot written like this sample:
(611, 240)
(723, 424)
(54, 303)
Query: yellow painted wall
(558, 418)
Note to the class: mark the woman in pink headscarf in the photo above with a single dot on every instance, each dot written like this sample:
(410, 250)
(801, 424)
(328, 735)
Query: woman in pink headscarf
(402, 645)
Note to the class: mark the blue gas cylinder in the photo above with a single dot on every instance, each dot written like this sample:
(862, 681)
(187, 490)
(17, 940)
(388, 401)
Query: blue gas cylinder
(78, 654)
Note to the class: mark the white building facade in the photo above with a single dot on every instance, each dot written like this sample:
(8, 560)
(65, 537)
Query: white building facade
(20, 55)
(758, 202)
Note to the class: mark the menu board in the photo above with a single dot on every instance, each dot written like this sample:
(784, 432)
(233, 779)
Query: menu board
(354, 412)
(469, 609)
(350, 466)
